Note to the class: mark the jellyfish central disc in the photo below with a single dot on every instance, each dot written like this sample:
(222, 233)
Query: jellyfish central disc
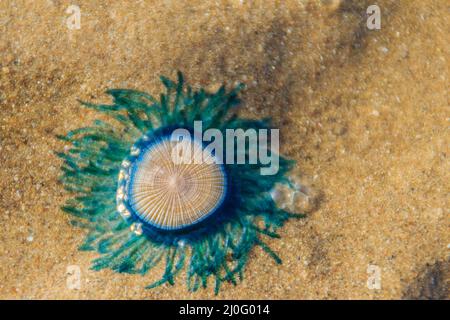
(170, 190)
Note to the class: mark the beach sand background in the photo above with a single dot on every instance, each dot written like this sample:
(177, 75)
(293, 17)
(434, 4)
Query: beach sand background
(364, 113)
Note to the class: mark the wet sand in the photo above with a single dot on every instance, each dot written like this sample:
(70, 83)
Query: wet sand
(364, 113)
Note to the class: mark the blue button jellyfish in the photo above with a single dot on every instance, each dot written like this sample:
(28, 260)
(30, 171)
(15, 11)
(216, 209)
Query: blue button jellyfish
(143, 204)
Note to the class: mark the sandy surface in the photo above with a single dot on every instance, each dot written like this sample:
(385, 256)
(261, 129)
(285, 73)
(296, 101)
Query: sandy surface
(365, 114)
